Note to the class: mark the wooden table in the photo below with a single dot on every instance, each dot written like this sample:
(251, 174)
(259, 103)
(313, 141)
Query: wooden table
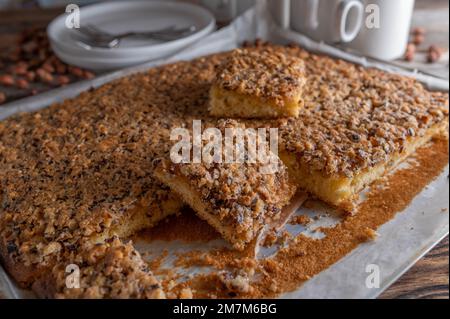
(429, 278)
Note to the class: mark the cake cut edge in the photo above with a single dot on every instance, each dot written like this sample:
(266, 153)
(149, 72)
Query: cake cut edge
(224, 103)
(342, 191)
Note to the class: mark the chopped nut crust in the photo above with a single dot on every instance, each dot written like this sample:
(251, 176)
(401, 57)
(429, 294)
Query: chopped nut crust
(238, 199)
(355, 126)
(258, 84)
(112, 270)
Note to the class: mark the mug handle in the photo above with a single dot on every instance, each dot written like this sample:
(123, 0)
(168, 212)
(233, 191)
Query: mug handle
(283, 10)
(283, 13)
(312, 9)
(348, 32)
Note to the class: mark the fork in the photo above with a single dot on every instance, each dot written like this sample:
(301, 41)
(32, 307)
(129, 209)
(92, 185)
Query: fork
(96, 37)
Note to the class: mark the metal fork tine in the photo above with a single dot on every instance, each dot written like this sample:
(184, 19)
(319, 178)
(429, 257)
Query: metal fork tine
(84, 31)
(96, 30)
(105, 39)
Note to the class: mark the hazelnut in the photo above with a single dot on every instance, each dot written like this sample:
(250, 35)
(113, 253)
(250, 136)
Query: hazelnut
(259, 42)
(20, 69)
(30, 47)
(22, 84)
(44, 76)
(7, 80)
(76, 71)
(418, 31)
(48, 67)
(434, 54)
(63, 80)
(30, 76)
(418, 39)
(88, 75)
(61, 68)
(410, 52)
(2, 97)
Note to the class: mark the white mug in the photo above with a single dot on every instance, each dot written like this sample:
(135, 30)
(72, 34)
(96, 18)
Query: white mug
(322, 20)
(389, 39)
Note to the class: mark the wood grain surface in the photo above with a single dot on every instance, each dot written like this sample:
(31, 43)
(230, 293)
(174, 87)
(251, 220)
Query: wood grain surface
(429, 278)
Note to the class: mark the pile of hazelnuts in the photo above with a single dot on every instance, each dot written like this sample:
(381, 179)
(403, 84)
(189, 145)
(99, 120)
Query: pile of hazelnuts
(433, 52)
(31, 67)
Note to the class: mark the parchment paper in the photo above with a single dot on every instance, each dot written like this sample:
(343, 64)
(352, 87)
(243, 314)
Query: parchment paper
(401, 242)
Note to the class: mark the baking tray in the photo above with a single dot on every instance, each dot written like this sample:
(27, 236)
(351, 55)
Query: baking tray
(401, 242)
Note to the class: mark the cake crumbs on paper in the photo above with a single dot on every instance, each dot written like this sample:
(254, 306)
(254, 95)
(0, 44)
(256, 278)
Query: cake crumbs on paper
(305, 257)
(300, 220)
(270, 239)
(276, 238)
(369, 234)
(236, 283)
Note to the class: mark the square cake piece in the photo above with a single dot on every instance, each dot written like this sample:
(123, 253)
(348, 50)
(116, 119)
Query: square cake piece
(110, 270)
(258, 84)
(237, 199)
(356, 125)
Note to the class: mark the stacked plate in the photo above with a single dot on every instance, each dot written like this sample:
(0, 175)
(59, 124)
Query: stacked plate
(125, 16)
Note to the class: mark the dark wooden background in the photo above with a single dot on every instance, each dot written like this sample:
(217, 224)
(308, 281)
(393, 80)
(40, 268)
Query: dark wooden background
(429, 278)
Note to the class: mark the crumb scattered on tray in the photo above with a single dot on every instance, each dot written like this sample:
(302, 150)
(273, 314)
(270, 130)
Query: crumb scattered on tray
(300, 220)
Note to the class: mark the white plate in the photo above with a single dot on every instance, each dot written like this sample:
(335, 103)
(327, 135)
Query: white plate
(116, 17)
(100, 64)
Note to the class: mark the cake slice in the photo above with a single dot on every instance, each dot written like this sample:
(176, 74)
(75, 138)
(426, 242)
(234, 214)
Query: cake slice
(342, 190)
(237, 199)
(111, 270)
(258, 84)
